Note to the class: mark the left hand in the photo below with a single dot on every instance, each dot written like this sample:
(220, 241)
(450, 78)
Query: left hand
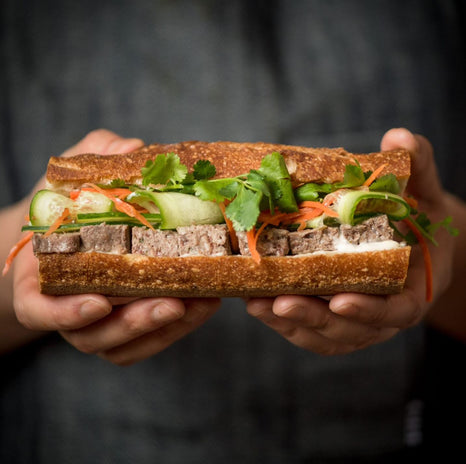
(351, 321)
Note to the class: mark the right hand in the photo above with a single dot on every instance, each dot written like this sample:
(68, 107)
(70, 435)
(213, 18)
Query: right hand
(122, 331)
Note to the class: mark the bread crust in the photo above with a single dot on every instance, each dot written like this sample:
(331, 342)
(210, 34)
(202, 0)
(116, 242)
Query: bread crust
(374, 272)
(377, 272)
(230, 159)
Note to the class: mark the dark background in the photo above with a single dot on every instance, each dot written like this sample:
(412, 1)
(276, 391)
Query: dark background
(317, 73)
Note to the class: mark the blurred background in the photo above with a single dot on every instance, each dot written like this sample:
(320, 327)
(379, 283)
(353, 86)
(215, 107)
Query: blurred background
(316, 73)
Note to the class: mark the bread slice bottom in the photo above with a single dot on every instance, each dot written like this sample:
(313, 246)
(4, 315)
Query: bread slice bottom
(373, 272)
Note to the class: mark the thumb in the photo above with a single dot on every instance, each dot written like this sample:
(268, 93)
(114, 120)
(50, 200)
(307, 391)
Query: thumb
(424, 182)
(103, 141)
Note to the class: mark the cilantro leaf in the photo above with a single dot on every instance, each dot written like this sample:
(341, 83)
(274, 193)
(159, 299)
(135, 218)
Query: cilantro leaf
(446, 224)
(116, 183)
(387, 183)
(217, 190)
(255, 181)
(204, 169)
(277, 177)
(244, 210)
(428, 230)
(353, 177)
(312, 191)
(165, 169)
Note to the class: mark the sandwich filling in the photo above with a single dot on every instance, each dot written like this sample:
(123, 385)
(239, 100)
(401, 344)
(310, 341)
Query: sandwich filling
(171, 212)
(214, 240)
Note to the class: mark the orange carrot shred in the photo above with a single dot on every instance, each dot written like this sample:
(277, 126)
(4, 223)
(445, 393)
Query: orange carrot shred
(320, 206)
(374, 175)
(252, 244)
(15, 250)
(74, 194)
(58, 222)
(412, 202)
(427, 259)
(122, 206)
(231, 229)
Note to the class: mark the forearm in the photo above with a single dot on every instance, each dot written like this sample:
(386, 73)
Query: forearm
(12, 333)
(449, 312)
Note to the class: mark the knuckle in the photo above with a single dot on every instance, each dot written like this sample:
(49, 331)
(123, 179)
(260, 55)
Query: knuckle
(21, 315)
(65, 318)
(134, 324)
(117, 358)
(96, 135)
(378, 315)
(323, 321)
(81, 343)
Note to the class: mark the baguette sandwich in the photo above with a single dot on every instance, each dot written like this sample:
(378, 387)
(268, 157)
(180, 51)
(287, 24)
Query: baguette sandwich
(223, 219)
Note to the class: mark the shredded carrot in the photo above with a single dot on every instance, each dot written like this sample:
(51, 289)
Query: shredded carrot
(427, 259)
(231, 229)
(374, 175)
(320, 206)
(74, 194)
(124, 207)
(412, 202)
(121, 193)
(307, 210)
(58, 222)
(15, 250)
(252, 237)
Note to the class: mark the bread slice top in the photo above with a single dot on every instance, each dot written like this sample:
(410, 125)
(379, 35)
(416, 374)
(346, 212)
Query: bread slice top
(320, 165)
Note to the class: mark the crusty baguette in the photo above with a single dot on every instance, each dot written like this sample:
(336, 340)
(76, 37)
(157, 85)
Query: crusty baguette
(230, 159)
(374, 272)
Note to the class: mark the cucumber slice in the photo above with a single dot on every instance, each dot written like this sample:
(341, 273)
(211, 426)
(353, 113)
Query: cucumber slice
(47, 206)
(363, 203)
(71, 227)
(178, 209)
(113, 217)
(92, 202)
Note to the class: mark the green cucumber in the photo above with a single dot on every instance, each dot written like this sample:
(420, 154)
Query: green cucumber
(92, 202)
(178, 209)
(71, 227)
(47, 206)
(357, 203)
(92, 219)
(112, 217)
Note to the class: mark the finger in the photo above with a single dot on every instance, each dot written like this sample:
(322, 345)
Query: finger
(125, 324)
(401, 310)
(307, 327)
(100, 141)
(37, 311)
(312, 315)
(424, 181)
(197, 312)
(104, 142)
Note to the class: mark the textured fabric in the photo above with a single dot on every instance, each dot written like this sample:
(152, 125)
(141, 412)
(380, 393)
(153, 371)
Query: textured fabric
(320, 73)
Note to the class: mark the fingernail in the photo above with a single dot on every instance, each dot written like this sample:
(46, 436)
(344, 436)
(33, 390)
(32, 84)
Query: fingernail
(344, 309)
(92, 309)
(124, 145)
(292, 310)
(163, 312)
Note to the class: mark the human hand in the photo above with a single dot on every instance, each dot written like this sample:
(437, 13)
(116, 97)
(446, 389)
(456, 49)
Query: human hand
(351, 321)
(122, 331)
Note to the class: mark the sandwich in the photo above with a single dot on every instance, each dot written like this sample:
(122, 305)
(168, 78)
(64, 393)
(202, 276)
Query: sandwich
(224, 219)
